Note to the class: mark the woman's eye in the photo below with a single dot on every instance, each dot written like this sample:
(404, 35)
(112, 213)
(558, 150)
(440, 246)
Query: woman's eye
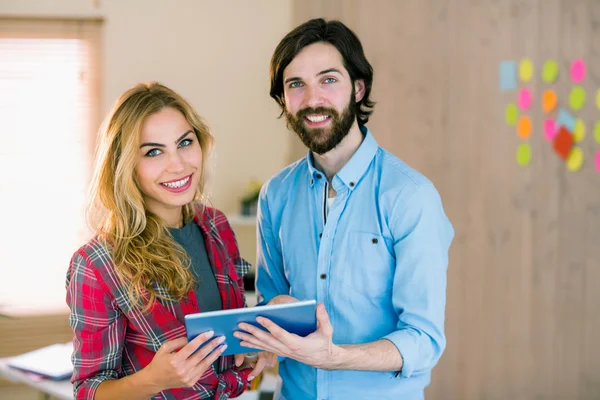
(295, 84)
(330, 80)
(153, 153)
(185, 142)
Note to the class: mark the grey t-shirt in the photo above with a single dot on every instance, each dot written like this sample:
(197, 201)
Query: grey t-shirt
(190, 238)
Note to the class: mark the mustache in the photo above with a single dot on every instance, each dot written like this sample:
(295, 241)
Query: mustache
(319, 110)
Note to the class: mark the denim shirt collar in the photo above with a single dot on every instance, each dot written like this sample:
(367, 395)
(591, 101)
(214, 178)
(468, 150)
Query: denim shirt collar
(355, 168)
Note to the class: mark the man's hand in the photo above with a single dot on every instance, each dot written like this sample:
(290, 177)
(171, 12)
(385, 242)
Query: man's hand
(257, 362)
(317, 349)
(281, 299)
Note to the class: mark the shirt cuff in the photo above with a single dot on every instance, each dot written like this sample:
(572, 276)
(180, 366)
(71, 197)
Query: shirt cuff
(407, 346)
(86, 390)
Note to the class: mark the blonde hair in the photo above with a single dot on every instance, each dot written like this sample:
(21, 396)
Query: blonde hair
(144, 253)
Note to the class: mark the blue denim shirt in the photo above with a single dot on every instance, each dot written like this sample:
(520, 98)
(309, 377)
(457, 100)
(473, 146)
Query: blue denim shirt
(377, 259)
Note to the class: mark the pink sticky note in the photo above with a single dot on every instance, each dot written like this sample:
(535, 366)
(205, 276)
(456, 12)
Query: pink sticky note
(550, 129)
(524, 99)
(598, 161)
(578, 71)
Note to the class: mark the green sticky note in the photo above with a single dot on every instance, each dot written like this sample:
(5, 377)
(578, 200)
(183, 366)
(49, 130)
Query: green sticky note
(598, 99)
(577, 98)
(523, 154)
(511, 114)
(597, 132)
(550, 71)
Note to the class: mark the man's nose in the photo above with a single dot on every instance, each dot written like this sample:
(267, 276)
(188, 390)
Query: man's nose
(313, 97)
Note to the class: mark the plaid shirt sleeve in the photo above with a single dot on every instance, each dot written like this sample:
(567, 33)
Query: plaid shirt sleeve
(98, 326)
(241, 267)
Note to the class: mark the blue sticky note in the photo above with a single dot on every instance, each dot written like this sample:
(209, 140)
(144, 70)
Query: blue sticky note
(508, 75)
(566, 119)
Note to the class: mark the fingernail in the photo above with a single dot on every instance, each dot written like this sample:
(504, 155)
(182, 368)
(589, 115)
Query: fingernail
(209, 334)
(221, 339)
(250, 377)
(223, 348)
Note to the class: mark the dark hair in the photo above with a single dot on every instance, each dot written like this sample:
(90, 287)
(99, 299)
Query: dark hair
(343, 39)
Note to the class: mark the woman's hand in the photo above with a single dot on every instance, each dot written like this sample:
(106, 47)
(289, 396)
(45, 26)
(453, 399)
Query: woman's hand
(173, 369)
(257, 362)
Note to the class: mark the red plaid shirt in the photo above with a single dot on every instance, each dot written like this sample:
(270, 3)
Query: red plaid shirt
(112, 339)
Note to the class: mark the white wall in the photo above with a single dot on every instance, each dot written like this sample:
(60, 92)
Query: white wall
(215, 53)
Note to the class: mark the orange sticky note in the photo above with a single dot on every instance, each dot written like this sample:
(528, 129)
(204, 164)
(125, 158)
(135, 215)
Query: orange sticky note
(549, 100)
(524, 127)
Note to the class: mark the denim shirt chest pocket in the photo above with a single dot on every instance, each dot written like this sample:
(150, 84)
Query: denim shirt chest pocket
(369, 264)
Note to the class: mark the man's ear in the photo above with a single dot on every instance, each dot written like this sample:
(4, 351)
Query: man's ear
(359, 89)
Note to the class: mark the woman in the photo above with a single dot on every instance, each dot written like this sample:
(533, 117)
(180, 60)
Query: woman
(158, 254)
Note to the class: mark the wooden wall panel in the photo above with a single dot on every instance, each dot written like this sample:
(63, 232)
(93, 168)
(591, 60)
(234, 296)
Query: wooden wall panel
(522, 319)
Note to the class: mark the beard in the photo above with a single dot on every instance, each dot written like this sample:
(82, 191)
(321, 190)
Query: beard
(322, 140)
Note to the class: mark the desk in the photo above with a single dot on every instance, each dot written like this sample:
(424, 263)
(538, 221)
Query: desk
(62, 390)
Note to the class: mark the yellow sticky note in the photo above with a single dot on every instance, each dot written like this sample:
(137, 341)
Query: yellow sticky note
(525, 69)
(597, 132)
(523, 154)
(550, 71)
(579, 131)
(577, 98)
(575, 159)
(511, 114)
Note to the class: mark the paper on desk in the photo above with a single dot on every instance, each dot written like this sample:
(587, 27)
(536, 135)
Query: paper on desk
(52, 361)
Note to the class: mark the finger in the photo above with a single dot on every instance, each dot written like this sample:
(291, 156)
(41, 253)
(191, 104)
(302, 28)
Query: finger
(272, 360)
(239, 359)
(277, 332)
(191, 347)
(206, 350)
(323, 322)
(205, 364)
(261, 333)
(261, 339)
(261, 346)
(282, 299)
(258, 367)
(173, 345)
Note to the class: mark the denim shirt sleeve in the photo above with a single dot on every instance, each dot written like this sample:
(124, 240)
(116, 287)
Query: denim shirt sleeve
(270, 276)
(422, 236)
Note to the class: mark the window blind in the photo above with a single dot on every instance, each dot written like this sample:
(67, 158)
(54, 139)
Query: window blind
(49, 114)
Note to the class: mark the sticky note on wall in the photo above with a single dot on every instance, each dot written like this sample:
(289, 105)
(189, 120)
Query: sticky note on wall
(566, 119)
(563, 143)
(550, 71)
(526, 69)
(508, 75)
(578, 71)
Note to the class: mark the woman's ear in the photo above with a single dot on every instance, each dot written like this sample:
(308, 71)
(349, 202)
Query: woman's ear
(359, 89)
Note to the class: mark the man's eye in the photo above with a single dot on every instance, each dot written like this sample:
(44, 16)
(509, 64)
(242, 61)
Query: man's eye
(153, 153)
(330, 80)
(185, 142)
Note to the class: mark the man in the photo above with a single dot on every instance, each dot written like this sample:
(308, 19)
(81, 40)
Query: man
(351, 226)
